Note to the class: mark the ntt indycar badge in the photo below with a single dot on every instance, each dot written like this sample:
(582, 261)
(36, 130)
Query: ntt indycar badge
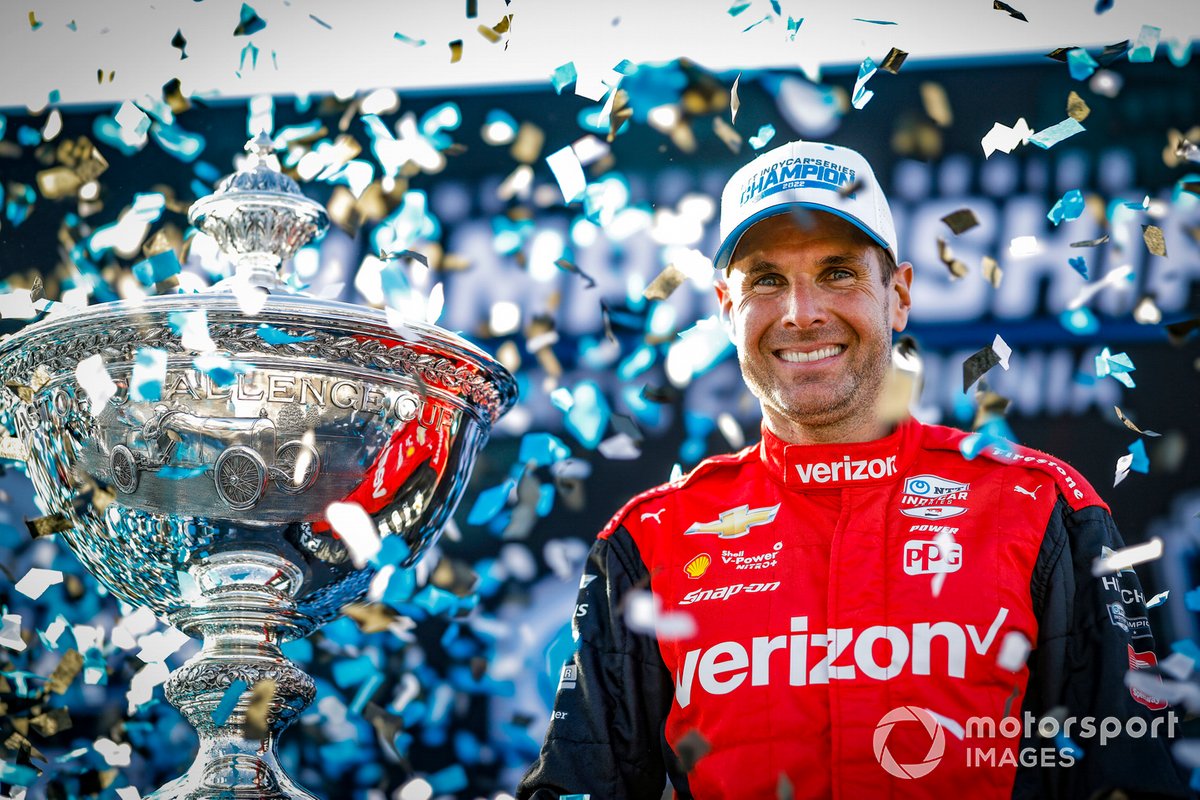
(933, 497)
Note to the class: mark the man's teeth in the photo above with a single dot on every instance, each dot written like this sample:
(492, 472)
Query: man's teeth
(815, 355)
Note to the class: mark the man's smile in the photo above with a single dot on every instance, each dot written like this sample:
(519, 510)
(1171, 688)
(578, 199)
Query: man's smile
(823, 353)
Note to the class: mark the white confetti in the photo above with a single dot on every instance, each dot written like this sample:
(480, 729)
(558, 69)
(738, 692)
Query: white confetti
(590, 149)
(1003, 138)
(1001, 348)
(1114, 277)
(10, 634)
(620, 447)
(643, 614)
(416, 789)
(137, 623)
(735, 102)
(53, 631)
(731, 430)
(568, 172)
(1127, 557)
(160, 644)
(1013, 651)
(1158, 599)
(1178, 666)
(1123, 464)
(17, 304)
(37, 581)
(115, 755)
(433, 306)
(357, 530)
(141, 687)
(94, 379)
(1022, 246)
(129, 793)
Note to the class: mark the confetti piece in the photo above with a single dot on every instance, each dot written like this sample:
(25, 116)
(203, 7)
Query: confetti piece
(724, 132)
(1140, 462)
(1129, 424)
(1068, 207)
(68, 669)
(936, 103)
(958, 269)
(357, 530)
(1091, 242)
(250, 22)
(644, 614)
(665, 283)
(222, 371)
(256, 726)
(568, 172)
(765, 134)
(1081, 65)
(1079, 264)
(320, 22)
(10, 634)
(456, 51)
(861, 94)
(893, 61)
(115, 755)
(1014, 650)
(999, 5)
(1146, 312)
(567, 266)
(738, 8)
(1158, 599)
(92, 376)
(961, 220)
(734, 101)
(47, 525)
(36, 581)
(1051, 136)
(1178, 332)
(400, 37)
(1127, 557)
(1077, 109)
(157, 268)
(1152, 235)
(179, 43)
(192, 329)
(141, 687)
(1005, 139)
(977, 364)
(1146, 44)
(272, 335)
(158, 645)
(793, 27)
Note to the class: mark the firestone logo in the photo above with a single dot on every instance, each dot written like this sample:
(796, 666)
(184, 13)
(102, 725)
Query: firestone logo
(937, 742)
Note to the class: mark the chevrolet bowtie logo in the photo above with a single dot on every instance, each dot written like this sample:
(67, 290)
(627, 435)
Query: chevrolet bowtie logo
(735, 522)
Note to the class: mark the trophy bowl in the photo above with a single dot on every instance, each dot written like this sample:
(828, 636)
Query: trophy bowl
(206, 495)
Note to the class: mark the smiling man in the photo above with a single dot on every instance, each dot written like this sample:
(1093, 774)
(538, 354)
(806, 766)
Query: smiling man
(851, 608)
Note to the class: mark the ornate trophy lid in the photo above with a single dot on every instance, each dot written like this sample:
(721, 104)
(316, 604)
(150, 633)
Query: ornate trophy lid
(259, 217)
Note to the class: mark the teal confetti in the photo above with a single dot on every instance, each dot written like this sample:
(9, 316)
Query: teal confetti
(181, 144)
(451, 779)
(1191, 600)
(1079, 264)
(173, 473)
(874, 21)
(157, 268)
(490, 503)
(543, 449)
(149, 372)
(765, 134)
(1146, 44)
(1140, 462)
(738, 8)
(272, 335)
(229, 701)
(793, 27)
(250, 23)
(1081, 64)
(1118, 366)
(400, 37)
(1067, 747)
(1051, 136)
(248, 50)
(563, 77)
(1070, 206)
(220, 370)
(862, 95)
(588, 416)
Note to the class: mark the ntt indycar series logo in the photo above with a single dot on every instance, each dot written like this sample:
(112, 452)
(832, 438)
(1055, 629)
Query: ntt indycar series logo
(797, 173)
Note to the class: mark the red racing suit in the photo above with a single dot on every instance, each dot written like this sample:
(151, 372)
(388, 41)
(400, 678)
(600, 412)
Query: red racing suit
(843, 620)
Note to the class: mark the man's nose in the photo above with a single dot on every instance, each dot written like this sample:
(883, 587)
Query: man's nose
(803, 307)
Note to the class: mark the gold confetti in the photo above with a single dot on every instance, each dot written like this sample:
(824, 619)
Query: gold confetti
(1077, 109)
(726, 133)
(44, 526)
(958, 269)
(370, 617)
(1128, 424)
(51, 722)
(620, 112)
(488, 34)
(58, 182)
(992, 272)
(936, 103)
(665, 283)
(64, 674)
(893, 61)
(528, 145)
(456, 48)
(961, 220)
(1152, 235)
(999, 5)
(261, 695)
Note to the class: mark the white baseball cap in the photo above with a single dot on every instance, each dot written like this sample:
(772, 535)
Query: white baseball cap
(813, 175)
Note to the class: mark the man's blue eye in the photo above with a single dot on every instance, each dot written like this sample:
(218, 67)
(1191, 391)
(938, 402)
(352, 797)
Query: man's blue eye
(767, 280)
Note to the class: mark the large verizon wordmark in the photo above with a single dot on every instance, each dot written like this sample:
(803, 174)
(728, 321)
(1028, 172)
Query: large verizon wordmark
(847, 470)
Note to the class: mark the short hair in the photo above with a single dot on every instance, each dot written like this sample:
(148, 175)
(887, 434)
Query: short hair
(887, 265)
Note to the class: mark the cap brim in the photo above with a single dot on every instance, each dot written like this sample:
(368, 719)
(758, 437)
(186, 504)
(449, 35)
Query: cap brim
(725, 251)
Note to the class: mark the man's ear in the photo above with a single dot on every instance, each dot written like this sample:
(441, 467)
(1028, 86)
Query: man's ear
(724, 304)
(901, 290)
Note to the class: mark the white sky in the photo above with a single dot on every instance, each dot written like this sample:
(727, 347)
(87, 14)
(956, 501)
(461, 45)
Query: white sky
(358, 51)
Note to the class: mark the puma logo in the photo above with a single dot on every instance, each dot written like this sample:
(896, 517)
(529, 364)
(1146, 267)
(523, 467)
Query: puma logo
(1023, 490)
(654, 516)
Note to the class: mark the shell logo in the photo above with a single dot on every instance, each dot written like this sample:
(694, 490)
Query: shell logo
(697, 566)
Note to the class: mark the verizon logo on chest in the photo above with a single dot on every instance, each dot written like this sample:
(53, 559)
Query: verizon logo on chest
(847, 470)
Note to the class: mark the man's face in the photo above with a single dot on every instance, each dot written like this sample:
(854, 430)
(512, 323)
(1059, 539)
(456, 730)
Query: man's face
(812, 319)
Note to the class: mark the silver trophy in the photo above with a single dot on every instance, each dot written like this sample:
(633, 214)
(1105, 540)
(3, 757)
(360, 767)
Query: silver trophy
(208, 502)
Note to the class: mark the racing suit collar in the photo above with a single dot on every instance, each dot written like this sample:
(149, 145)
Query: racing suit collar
(841, 464)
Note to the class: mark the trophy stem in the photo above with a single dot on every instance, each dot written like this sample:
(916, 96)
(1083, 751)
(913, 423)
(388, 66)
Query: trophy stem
(242, 624)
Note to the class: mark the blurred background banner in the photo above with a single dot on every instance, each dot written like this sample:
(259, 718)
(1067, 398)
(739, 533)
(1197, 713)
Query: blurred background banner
(543, 178)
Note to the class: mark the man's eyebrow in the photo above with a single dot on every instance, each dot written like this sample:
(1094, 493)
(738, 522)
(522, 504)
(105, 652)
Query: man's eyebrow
(824, 262)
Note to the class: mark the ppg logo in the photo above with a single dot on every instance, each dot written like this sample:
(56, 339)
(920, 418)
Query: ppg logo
(929, 558)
